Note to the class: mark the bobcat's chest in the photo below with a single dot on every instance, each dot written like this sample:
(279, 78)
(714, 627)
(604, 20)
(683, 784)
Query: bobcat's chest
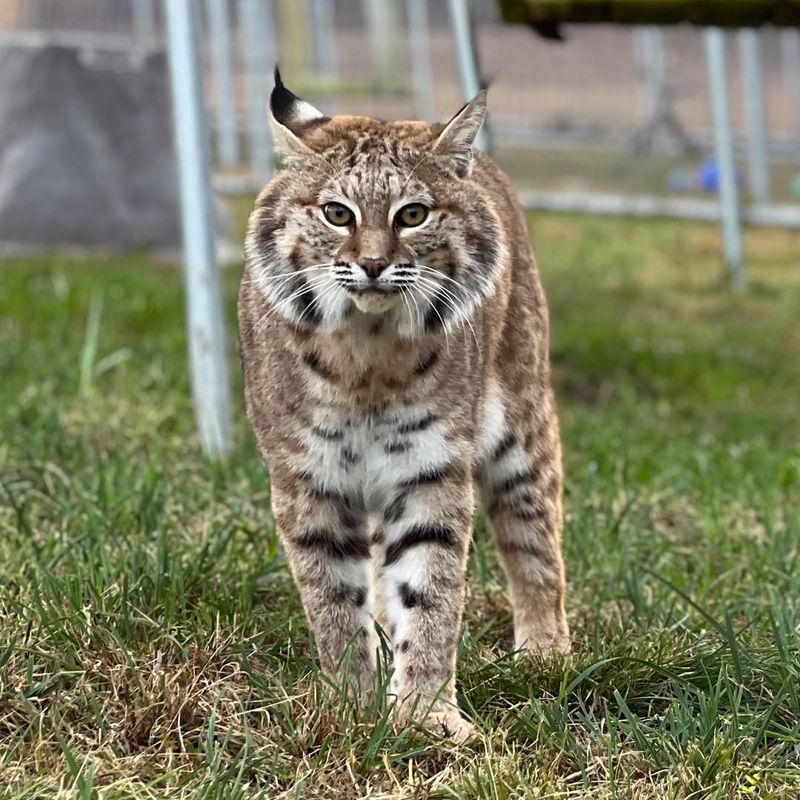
(371, 456)
(370, 369)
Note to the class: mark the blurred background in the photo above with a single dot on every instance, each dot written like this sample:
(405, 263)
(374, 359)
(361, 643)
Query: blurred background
(620, 109)
(151, 642)
(678, 121)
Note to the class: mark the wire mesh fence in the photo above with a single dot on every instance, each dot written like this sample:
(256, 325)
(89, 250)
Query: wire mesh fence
(610, 110)
(98, 22)
(613, 120)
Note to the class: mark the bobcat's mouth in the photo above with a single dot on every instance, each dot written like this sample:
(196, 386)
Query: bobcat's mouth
(372, 298)
(373, 289)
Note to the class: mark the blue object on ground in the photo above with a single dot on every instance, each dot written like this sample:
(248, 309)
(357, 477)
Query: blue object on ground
(708, 176)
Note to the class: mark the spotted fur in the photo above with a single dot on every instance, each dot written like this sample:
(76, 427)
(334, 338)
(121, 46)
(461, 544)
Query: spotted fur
(390, 373)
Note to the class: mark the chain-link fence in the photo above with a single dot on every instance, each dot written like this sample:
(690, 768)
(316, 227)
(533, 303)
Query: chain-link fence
(608, 110)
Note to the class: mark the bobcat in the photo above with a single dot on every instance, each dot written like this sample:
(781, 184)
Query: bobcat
(394, 336)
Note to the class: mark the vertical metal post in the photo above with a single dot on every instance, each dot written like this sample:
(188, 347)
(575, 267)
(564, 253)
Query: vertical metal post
(656, 131)
(790, 63)
(323, 32)
(256, 19)
(293, 34)
(649, 55)
(467, 60)
(723, 152)
(421, 64)
(206, 332)
(144, 21)
(382, 30)
(224, 91)
(323, 35)
(755, 115)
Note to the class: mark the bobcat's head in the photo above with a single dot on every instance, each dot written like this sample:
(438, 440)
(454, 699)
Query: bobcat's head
(372, 217)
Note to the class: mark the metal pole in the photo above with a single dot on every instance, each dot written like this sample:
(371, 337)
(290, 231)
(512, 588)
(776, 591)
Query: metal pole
(648, 45)
(256, 18)
(755, 115)
(638, 41)
(382, 29)
(723, 152)
(222, 70)
(649, 53)
(144, 21)
(790, 62)
(206, 332)
(467, 60)
(421, 65)
(323, 31)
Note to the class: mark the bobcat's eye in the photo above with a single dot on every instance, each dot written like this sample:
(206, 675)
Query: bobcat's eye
(411, 215)
(337, 214)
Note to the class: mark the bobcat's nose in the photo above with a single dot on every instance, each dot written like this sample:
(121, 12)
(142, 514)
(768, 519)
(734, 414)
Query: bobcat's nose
(373, 266)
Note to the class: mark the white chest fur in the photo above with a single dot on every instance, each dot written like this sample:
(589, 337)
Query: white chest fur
(369, 457)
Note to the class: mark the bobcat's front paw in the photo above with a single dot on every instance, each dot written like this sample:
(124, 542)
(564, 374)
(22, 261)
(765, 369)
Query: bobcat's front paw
(449, 724)
(443, 720)
(539, 632)
(543, 643)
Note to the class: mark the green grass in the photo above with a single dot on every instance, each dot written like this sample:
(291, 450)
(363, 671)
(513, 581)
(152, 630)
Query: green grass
(152, 645)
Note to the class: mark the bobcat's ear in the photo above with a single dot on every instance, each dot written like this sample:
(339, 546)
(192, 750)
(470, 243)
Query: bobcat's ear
(289, 117)
(455, 141)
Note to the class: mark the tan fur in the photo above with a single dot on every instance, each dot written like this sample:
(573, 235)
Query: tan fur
(376, 426)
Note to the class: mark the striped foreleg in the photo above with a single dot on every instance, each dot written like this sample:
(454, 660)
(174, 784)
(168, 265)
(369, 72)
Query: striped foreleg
(325, 537)
(423, 545)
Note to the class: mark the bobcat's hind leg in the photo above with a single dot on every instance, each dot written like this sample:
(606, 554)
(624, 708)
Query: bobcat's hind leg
(520, 479)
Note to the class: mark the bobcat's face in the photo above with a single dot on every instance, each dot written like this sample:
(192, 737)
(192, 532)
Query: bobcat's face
(379, 228)
(374, 218)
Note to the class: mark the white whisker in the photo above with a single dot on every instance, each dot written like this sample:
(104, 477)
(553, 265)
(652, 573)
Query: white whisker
(486, 284)
(455, 304)
(457, 314)
(407, 305)
(310, 285)
(436, 311)
(301, 271)
(416, 320)
(324, 294)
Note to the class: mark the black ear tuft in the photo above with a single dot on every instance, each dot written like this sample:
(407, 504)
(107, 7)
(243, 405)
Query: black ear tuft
(291, 118)
(281, 100)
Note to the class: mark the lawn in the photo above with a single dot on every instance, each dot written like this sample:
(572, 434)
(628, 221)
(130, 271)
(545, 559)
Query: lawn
(152, 645)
